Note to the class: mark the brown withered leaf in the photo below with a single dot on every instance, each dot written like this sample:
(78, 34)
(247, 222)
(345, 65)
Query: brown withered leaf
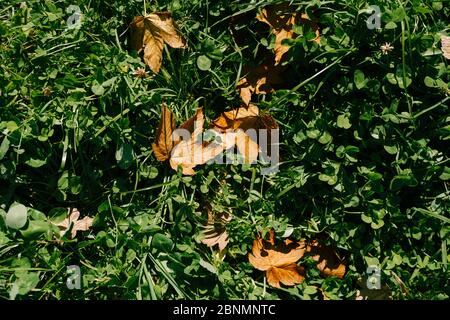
(215, 229)
(151, 32)
(259, 80)
(235, 118)
(72, 223)
(164, 139)
(246, 118)
(278, 260)
(190, 125)
(247, 147)
(329, 263)
(281, 19)
(194, 151)
(231, 129)
(243, 118)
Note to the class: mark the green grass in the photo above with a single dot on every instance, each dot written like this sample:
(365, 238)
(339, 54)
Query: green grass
(364, 150)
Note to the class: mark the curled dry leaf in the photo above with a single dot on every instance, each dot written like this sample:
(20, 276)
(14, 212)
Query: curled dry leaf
(164, 140)
(215, 230)
(279, 261)
(151, 32)
(329, 263)
(445, 43)
(281, 19)
(72, 222)
(193, 152)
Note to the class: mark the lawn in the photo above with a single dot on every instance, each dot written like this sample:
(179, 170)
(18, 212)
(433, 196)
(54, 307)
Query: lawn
(95, 205)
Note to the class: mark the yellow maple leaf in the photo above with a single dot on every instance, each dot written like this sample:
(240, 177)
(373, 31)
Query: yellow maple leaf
(151, 32)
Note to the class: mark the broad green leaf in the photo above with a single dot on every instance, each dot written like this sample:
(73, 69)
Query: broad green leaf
(16, 217)
(4, 147)
(125, 155)
(97, 89)
(203, 63)
(162, 243)
(403, 82)
(36, 228)
(11, 126)
(391, 149)
(403, 180)
(208, 266)
(24, 283)
(390, 25)
(429, 82)
(366, 218)
(325, 138)
(36, 163)
(343, 121)
(445, 175)
(359, 79)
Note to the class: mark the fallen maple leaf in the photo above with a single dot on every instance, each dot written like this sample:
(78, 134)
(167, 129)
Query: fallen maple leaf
(279, 262)
(328, 262)
(151, 32)
(227, 130)
(259, 80)
(72, 222)
(246, 118)
(215, 231)
(190, 125)
(164, 135)
(193, 151)
(281, 19)
(243, 118)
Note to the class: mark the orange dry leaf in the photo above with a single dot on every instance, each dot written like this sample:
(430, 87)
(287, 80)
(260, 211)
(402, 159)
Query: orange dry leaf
(279, 262)
(192, 123)
(232, 128)
(281, 19)
(215, 231)
(151, 32)
(72, 223)
(194, 151)
(234, 122)
(259, 80)
(243, 118)
(328, 262)
(187, 129)
(246, 119)
(164, 140)
(191, 150)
